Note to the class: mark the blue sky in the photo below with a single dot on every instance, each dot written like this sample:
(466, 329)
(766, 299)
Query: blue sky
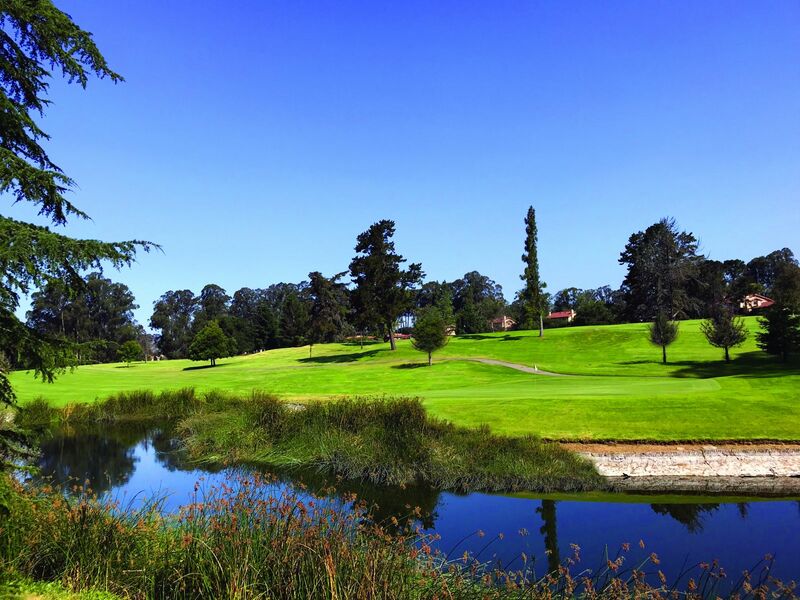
(255, 140)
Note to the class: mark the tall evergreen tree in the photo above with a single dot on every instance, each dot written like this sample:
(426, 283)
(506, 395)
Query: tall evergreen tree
(661, 261)
(532, 296)
(724, 330)
(294, 321)
(329, 305)
(37, 39)
(780, 333)
(663, 332)
(430, 332)
(383, 288)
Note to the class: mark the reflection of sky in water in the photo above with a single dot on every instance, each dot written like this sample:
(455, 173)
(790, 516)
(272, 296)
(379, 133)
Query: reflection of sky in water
(681, 534)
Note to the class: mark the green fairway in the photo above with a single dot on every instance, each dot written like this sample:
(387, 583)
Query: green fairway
(618, 388)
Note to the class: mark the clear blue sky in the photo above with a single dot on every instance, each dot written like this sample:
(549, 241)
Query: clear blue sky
(255, 140)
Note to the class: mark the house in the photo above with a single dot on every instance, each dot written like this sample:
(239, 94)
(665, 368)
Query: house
(569, 315)
(450, 330)
(753, 302)
(503, 323)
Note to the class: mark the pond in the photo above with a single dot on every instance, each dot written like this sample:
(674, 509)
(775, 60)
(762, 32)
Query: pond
(131, 464)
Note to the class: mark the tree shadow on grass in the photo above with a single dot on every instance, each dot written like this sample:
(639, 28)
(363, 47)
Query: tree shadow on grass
(410, 365)
(750, 364)
(199, 367)
(340, 358)
(486, 336)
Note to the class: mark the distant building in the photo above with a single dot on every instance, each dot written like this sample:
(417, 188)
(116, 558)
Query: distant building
(569, 315)
(450, 330)
(503, 323)
(753, 302)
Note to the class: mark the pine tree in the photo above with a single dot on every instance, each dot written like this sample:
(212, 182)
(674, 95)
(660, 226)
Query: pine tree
(780, 333)
(38, 39)
(662, 333)
(724, 330)
(534, 300)
(383, 288)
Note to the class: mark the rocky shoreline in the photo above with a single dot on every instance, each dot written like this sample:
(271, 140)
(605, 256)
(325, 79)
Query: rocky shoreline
(763, 469)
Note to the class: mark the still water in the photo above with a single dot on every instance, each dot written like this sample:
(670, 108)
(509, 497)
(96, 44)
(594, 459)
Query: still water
(130, 464)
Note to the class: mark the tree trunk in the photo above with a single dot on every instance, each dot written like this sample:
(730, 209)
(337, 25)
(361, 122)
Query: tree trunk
(664, 354)
(391, 339)
(361, 339)
(430, 359)
(310, 346)
(541, 325)
(727, 356)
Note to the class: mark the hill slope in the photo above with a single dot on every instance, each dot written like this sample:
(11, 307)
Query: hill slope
(618, 388)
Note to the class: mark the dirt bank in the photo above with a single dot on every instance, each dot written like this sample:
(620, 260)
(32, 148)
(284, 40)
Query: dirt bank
(772, 469)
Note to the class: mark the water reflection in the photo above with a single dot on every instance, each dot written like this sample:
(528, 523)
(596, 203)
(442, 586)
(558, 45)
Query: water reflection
(135, 462)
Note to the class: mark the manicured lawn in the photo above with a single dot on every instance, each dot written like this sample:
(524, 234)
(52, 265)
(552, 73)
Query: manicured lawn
(622, 390)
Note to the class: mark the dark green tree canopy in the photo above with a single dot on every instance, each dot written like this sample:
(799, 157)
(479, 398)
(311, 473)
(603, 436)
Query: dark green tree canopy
(173, 314)
(130, 351)
(329, 304)
(724, 330)
(211, 343)
(663, 332)
(781, 322)
(661, 261)
(38, 39)
(100, 311)
(430, 331)
(294, 321)
(532, 298)
(212, 305)
(476, 300)
(384, 289)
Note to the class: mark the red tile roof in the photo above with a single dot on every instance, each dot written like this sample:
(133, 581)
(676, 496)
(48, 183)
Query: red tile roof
(562, 314)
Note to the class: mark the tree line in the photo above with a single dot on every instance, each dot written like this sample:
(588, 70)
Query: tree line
(379, 295)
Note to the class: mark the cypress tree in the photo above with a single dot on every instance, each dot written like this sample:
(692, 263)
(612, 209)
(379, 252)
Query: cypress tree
(534, 301)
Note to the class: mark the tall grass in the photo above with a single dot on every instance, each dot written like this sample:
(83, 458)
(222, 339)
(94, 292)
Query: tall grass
(243, 542)
(386, 441)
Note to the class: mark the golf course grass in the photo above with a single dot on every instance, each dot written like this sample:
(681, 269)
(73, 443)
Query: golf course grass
(616, 389)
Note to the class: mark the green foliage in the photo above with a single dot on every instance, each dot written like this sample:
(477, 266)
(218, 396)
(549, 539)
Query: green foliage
(661, 262)
(662, 333)
(37, 37)
(130, 351)
(329, 305)
(243, 541)
(476, 300)
(388, 441)
(211, 343)
(430, 332)
(532, 297)
(173, 314)
(781, 322)
(625, 393)
(383, 288)
(724, 330)
(97, 317)
(294, 322)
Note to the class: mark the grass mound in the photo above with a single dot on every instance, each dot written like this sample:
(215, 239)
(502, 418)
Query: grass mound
(388, 441)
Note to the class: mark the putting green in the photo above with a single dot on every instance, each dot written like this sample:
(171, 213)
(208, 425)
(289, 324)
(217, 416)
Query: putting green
(619, 389)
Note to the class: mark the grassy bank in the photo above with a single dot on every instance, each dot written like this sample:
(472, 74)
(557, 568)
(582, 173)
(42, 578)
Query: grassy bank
(618, 388)
(383, 441)
(241, 542)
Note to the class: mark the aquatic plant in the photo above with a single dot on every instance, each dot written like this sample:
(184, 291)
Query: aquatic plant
(244, 541)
